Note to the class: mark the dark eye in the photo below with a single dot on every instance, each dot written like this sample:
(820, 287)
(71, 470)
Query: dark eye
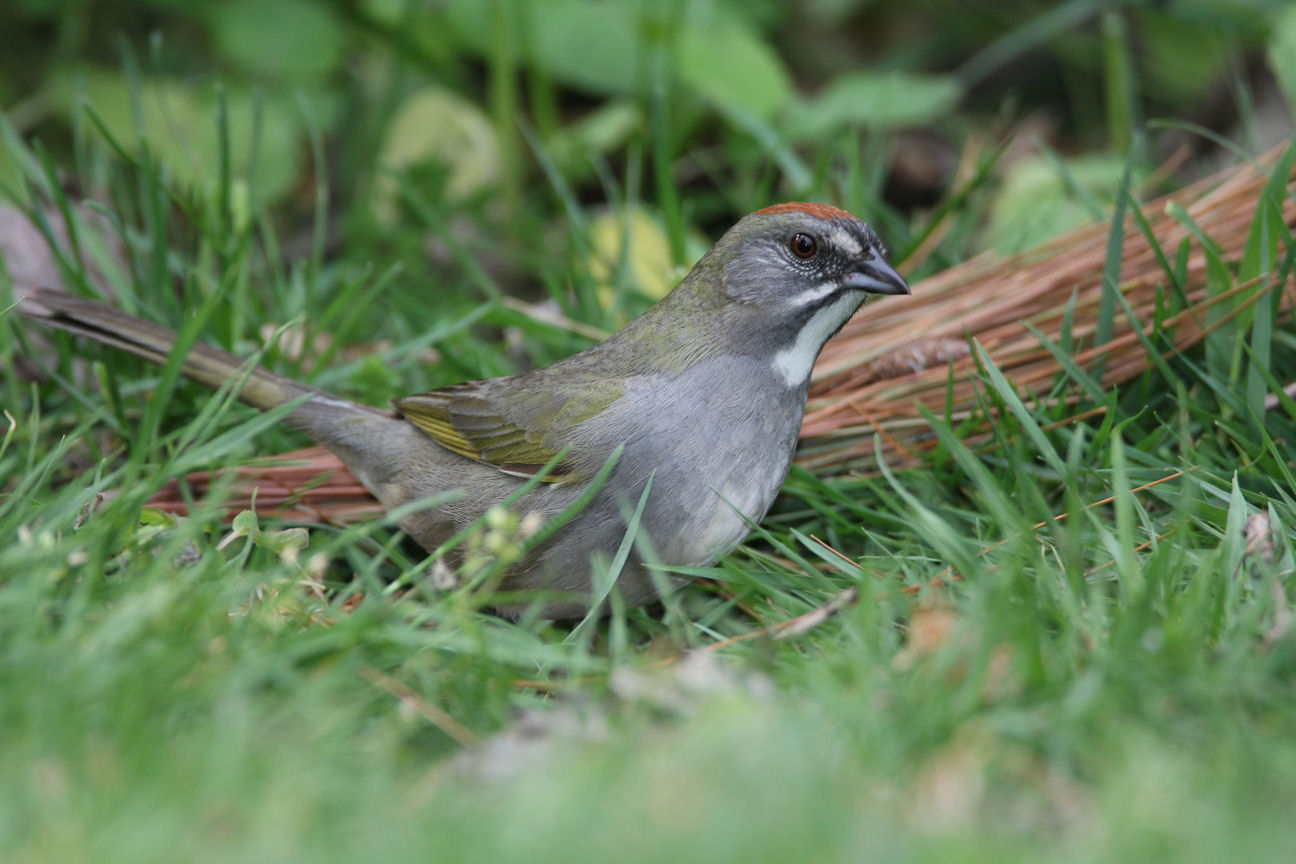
(803, 245)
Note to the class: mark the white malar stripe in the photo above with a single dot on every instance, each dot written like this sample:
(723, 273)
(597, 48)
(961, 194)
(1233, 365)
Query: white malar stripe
(794, 362)
(812, 296)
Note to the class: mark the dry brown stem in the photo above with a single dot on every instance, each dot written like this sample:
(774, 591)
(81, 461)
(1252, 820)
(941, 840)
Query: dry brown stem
(898, 355)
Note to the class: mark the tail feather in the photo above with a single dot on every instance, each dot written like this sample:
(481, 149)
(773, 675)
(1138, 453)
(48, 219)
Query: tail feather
(366, 439)
(262, 388)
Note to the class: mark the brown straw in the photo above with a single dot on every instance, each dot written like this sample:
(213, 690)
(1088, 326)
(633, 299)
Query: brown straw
(899, 354)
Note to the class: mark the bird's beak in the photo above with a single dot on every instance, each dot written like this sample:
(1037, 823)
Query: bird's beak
(876, 276)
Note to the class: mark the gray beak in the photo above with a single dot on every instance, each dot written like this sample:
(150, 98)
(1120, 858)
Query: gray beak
(876, 276)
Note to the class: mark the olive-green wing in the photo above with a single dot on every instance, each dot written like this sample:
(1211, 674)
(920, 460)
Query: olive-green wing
(517, 425)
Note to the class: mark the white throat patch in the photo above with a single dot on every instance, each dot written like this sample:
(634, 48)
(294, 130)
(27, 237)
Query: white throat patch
(793, 363)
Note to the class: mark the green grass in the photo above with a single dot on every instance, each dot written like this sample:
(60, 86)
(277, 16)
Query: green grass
(1116, 684)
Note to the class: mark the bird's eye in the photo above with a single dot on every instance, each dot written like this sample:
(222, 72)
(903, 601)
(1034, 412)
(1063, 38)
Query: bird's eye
(803, 245)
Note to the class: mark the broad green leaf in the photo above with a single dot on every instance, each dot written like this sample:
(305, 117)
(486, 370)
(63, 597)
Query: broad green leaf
(584, 44)
(386, 11)
(648, 258)
(598, 133)
(437, 125)
(877, 100)
(593, 46)
(180, 123)
(294, 39)
(1181, 58)
(730, 66)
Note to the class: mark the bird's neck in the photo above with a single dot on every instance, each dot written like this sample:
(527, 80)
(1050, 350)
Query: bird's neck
(692, 323)
(688, 327)
(799, 345)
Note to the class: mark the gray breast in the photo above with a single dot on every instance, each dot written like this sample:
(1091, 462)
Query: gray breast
(717, 440)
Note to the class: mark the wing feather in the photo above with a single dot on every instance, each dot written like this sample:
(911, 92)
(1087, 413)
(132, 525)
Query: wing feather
(516, 424)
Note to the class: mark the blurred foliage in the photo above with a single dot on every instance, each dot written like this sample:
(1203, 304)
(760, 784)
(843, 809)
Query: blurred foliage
(723, 104)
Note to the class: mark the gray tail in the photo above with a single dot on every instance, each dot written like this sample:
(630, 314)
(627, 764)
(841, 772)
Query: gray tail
(98, 321)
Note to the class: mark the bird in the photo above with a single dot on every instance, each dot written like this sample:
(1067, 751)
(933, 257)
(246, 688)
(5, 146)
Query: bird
(683, 423)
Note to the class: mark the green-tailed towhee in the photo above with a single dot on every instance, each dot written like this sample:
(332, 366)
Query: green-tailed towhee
(701, 397)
